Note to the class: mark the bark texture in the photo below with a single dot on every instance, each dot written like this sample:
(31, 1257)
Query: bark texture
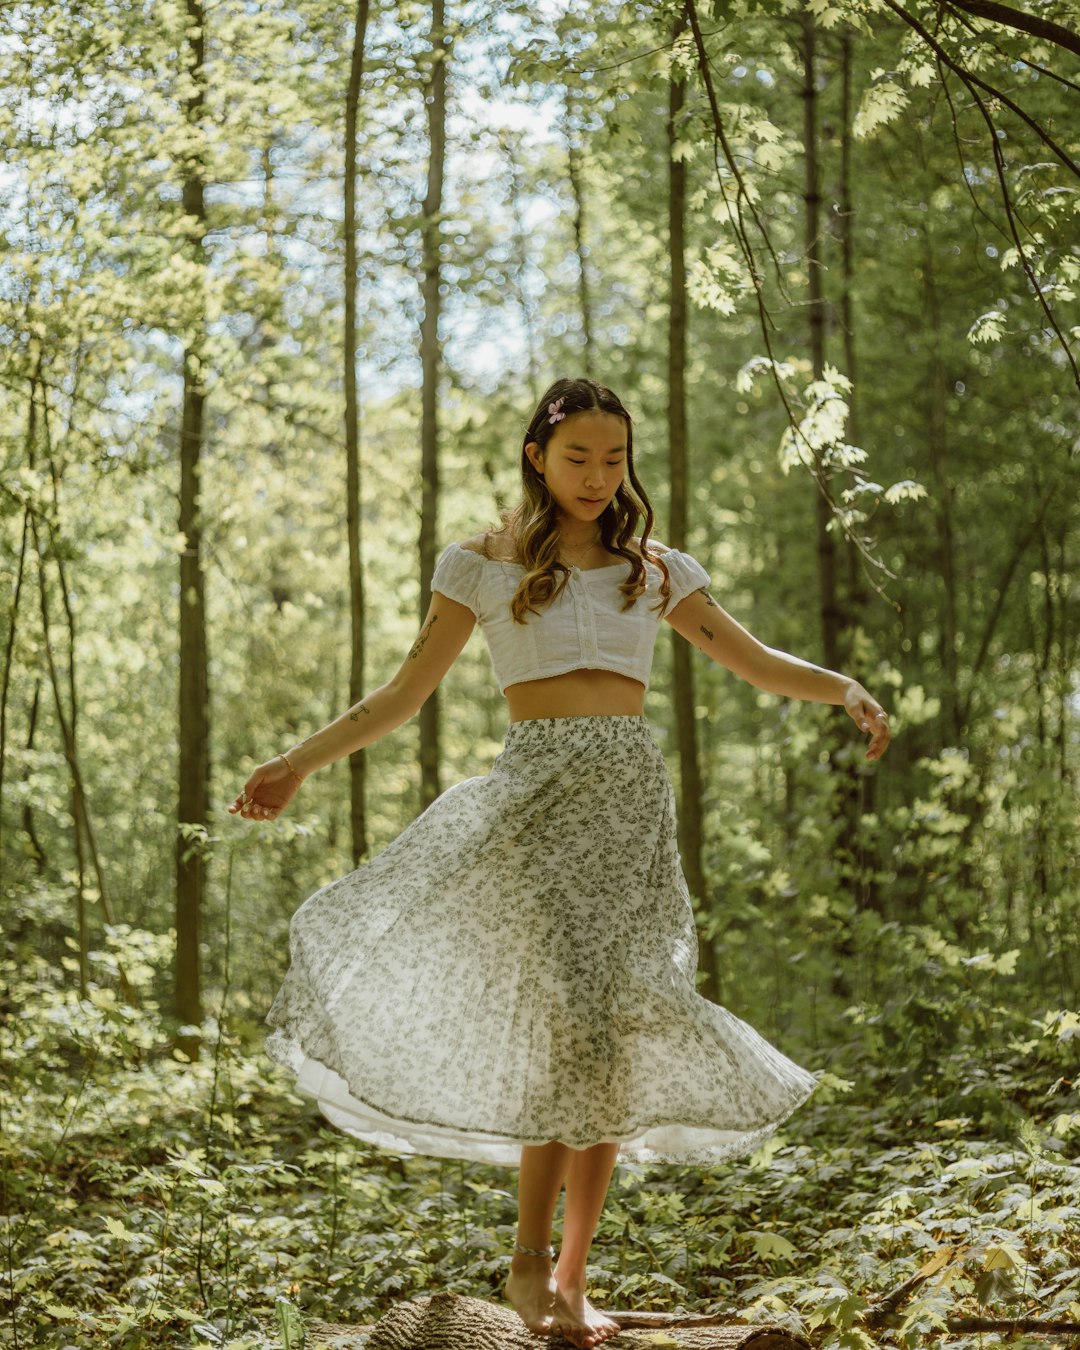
(431, 366)
(691, 828)
(576, 174)
(449, 1322)
(194, 718)
(357, 760)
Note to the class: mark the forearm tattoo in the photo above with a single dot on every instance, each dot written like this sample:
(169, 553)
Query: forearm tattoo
(354, 716)
(707, 632)
(704, 590)
(425, 633)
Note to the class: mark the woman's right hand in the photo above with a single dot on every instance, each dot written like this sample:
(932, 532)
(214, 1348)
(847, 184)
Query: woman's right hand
(267, 792)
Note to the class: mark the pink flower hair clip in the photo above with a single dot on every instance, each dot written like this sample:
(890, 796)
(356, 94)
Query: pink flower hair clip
(553, 409)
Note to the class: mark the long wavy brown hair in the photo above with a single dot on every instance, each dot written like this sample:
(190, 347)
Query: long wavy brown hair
(532, 527)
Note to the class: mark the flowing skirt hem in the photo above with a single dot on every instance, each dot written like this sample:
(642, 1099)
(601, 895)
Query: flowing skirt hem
(655, 1141)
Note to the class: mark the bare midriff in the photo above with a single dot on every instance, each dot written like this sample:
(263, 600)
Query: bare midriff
(578, 693)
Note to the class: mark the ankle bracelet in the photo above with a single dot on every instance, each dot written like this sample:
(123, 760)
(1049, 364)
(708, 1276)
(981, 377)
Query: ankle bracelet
(549, 1252)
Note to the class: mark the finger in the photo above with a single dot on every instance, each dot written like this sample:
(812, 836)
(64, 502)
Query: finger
(879, 744)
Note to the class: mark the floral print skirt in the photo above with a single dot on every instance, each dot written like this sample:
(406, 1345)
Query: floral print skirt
(518, 967)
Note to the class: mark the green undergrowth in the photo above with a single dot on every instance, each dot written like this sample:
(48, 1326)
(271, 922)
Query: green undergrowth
(151, 1201)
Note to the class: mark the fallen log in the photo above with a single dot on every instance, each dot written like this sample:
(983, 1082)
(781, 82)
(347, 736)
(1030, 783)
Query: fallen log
(451, 1322)
(1011, 1326)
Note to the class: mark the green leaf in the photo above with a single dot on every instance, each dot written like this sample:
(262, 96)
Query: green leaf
(989, 327)
(1003, 1257)
(772, 1247)
(290, 1324)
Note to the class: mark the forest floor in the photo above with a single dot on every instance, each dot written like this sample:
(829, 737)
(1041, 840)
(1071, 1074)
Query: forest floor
(155, 1202)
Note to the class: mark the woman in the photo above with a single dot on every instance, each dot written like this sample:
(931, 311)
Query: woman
(512, 979)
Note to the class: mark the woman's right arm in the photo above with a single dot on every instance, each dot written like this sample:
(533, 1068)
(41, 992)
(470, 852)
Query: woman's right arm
(444, 632)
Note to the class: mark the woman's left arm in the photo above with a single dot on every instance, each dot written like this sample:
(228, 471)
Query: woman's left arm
(701, 621)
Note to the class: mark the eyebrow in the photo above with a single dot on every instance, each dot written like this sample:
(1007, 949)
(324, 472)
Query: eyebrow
(618, 450)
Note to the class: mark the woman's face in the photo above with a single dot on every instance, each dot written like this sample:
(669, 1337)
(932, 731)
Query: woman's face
(583, 463)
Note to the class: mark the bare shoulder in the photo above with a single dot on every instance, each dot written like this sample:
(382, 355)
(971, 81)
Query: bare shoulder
(490, 545)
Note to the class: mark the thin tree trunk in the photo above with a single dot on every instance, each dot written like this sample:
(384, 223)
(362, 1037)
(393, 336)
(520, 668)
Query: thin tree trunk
(577, 188)
(521, 236)
(36, 848)
(1043, 860)
(1066, 665)
(194, 720)
(71, 755)
(9, 644)
(934, 394)
(358, 759)
(84, 835)
(431, 364)
(80, 810)
(690, 822)
(830, 613)
(846, 231)
(860, 797)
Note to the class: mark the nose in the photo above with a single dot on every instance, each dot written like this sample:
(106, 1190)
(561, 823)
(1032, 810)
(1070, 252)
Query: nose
(594, 477)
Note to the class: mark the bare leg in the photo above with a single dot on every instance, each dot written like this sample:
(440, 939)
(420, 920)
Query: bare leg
(587, 1180)
(531, 1287)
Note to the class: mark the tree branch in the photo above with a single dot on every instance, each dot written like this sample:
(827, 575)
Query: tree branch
(971, 80)
(973, 84)
(1046, 29)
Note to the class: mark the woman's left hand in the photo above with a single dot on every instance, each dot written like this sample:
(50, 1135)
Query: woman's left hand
(868, 715)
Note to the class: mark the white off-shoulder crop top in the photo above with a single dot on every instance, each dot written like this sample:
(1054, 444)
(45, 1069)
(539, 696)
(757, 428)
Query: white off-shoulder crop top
(584, 627)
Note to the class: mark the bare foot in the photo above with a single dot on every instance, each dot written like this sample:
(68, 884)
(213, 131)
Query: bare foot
(532, 1291)
(575, 1318)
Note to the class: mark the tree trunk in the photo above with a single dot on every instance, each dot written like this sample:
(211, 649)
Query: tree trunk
(35, 847)
(934, 393)
(861, 792)
(519, 276)
(431, 364)
(12, 628)
(846, 859)
(358, 759)
(83, 834)
(577, 188)
(682, 681)
(194, 721)
(830, 612)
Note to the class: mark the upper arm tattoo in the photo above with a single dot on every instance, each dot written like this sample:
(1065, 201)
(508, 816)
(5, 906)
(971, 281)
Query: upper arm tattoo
(712, 604)
(425, 633)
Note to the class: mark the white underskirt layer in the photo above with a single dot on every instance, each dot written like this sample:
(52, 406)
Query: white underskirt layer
(654, 1144)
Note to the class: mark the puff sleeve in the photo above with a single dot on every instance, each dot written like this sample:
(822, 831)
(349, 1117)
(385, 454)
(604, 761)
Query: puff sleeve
(457, 575)
(686, 575)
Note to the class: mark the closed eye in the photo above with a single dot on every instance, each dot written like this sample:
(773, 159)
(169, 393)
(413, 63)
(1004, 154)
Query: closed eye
(612, 463)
